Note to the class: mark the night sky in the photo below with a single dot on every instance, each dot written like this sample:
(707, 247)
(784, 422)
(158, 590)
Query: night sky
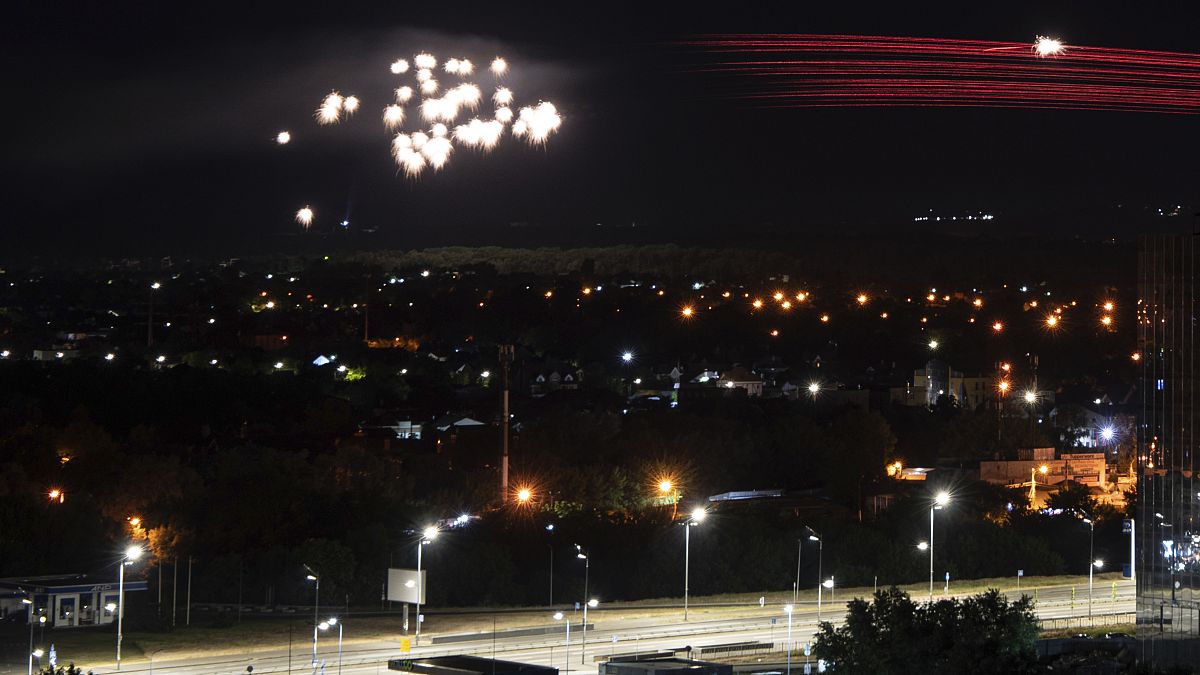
(146, 128)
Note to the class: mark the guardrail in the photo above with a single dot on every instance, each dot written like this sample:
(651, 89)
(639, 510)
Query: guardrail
(1088, 621)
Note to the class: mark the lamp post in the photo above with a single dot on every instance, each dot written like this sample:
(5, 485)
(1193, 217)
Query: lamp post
(36, 653)
(788, 609)
(593, 603)
(587, 564)
(698, 515)
(427, 536)
(1033, 472)
(813, 536)
(1091, 559)
(796, 586)
(29, 620)
(326, 625)
(150, 315)
(131, 554)
(316, 579)
(559, 616)
(942, 499)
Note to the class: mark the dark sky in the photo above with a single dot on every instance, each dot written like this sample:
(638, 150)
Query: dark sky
(146, 127)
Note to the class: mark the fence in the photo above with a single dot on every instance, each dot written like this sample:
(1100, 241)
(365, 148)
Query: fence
(1088, 621)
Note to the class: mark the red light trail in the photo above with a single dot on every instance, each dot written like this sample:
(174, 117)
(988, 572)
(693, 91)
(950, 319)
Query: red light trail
(779, 70)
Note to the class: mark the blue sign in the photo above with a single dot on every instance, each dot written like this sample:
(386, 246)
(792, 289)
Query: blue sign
(1020, 573)
(1127, 526)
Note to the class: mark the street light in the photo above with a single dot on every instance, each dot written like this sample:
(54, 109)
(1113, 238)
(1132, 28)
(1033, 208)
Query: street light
(939, 501)
(627, 357)
(559, 616)
(427, 536)
(698, 516)
(813, 536)
(593, 603)
(580, 554)
(1093, 564)
(326, 625)
(132, 553)
(316, 579)
(1043, 469)
(29, 620)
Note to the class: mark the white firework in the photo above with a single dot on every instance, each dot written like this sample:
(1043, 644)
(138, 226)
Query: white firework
(520, 128)
(393, 116)
(504, 115)
(429, 86)
(424, 74)
(424, 60)
(419, 139)
(438, 130)
(437, 151)
(467, 95)
(540, 121)
(411, 162)
(328, 114)
(499, 66)
(404, 94)
(399, 67)
(451, 66)
(1046, 46)
(350, 105)
(503, 96)
(333, 100)
(435, 109)
(479, 134)
(465, 67)
(400, 144)
(283, 138)
(304, 216)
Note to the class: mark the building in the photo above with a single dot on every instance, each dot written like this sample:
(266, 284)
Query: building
(66, 600)
(740, 378)
(1088, 468)
(1168, 537)
(938, 381)
(664, 666)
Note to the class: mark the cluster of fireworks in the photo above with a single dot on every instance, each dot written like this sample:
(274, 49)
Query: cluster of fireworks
(439, 126)
(846, 70)
(439, 106)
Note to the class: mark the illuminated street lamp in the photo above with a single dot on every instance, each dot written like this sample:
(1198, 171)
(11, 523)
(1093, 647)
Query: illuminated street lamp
(1043, 469)
(559, 616)
(814, 388)
(316, 579)
(427, 536)
(593, 603)
(580, 554)
(627, 357)
(326, 625)
(698, 516)
(813, 536)
(131, 555)
(939, 501)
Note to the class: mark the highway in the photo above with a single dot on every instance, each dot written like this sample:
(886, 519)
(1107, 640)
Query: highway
(612, 634)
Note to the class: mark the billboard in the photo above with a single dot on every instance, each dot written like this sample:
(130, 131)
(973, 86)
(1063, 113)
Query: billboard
(406, 586)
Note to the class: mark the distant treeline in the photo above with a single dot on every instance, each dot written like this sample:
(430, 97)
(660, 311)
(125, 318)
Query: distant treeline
(872, 260)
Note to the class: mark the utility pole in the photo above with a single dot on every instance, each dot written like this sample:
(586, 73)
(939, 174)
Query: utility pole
(506, 359)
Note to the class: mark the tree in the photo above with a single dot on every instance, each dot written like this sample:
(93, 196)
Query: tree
(982, 635)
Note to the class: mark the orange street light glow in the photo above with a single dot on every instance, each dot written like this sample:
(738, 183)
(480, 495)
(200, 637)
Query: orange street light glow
(687, 312)
(1003, 386)
(778, 296)
(757, 304)
(997, 326)
(801, 296)
(786, 305)
(824, 318)
(1136, 356)
(775, 333)
(978, 302)
(1108, 306)
(861, 299)
(1106, 320)
(1051, 321)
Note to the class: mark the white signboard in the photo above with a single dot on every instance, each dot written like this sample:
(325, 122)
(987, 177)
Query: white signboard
(406, 586)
